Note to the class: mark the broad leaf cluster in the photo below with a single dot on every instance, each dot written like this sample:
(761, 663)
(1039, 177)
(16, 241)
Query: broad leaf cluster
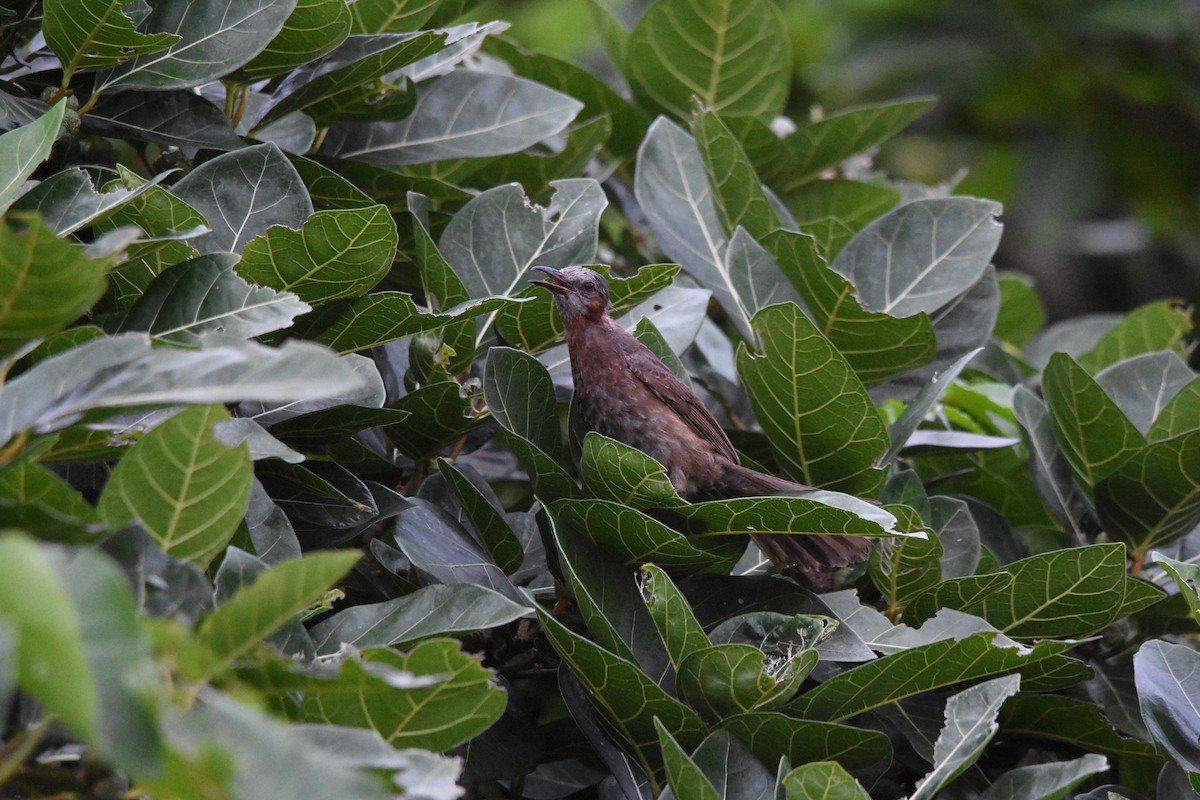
(294, 504)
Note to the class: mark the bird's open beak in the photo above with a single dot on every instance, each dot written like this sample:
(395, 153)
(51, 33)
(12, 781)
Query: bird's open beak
(559, 286)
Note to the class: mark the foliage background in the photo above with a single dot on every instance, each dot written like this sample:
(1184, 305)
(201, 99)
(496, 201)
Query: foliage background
(294, 503)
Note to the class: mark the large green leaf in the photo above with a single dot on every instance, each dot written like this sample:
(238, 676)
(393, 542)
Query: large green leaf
(739, 195)
(483, 509)
(1168, 683)
(242, 194)
(49, 282)
(439, 610)
(823, 428)
(81, 650)
(829, 141)
(1063, 594)
(1143, 385)
(956, 593)
(729, 679)
(205, 296)
(734, 56)
(272, 600)
(465, 114)
(434, 697)
(1157, 326)
(312, 29)
(921, 255)
(629, 700)
(876, 344)
(833, 210)
(68, 201)
(623, 474)
(906, 566)
(495, 238)
(94, 35)
(336, 254)
(683, 775)
(1094, 434)
(1153, 496)
(823, 780)
(819, 513)
(183, 485)
(213, 39)
(34, 499)
(123, 371)
(673, 618)
(21, 151)
(970, 725)
(383, 317)
(771, 735)
(1068, 719)
(937, 665)
(1179, 415)
(635, 538)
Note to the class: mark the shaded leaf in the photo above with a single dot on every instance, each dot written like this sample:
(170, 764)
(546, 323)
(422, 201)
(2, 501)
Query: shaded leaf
(67, 201)
(615, 471)
(483, 509)
(771, 735)
(824, 780)
(383, 317)
(684, 777)
(312, 29)
(1066, 719)
(179, 118)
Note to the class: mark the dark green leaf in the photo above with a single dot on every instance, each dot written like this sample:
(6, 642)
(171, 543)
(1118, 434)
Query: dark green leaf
(1157, 326)
(1095, 436)
(824, 780)
(739, 195)
(834, 210)
(521, 398)
(956, 593)
(21, 151)
(823, 428)
(905, 566)
(178, 118)
(1187, 577)
(615, 471)
(188, 489)
(483, 509)
(771, 735)
(89, 35)
(672, 616)
(312, 29)
(734, 56)
(684, 777)
(383, 317)
(730, 679)
(1168, 683)
(1021, 311)
(1066, 719)
(213, 39)
(67, 201)
(463, 114)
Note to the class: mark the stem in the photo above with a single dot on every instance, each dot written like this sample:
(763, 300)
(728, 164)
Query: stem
(12, 757)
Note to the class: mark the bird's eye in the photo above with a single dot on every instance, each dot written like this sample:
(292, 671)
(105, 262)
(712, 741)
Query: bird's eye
(589, 287)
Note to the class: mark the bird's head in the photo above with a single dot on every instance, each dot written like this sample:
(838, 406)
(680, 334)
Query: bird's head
(579, 293)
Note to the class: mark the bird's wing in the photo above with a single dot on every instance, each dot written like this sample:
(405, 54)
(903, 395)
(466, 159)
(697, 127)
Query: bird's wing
(658, 378)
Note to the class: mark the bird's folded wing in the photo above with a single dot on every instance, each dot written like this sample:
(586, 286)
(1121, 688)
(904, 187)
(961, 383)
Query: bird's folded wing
(662, 383)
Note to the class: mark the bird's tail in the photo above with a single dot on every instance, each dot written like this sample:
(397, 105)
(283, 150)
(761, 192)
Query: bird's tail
(810, 553)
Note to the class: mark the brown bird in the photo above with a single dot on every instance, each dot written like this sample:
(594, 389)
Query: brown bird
(626, 393)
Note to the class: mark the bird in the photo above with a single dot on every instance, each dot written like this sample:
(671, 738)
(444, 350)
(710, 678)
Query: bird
(627, 393)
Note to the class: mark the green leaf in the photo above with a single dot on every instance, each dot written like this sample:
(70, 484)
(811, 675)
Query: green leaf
(1142, 386)
(274, 599)
(920, 406)
(1066, 719)
(623, 474)
(672, 616)
(562, 234)
(1168, 683)
(179, 118)
(956, 593)
(685, 778)
(636, 538)
(728, 679)
(1153, 496)
(771, 735)
(630, 701)
(464, 114)
(833, 210)
(89, 35)
(81, 651)
(433, 697)
(876, 345)
(937, 665)
(483, 509)
(1157, 326)
(1095, 436)
(824, 780)
(735, 57)
(754, 274)
(818, 513)
(68, 201)
(212, 41)
(1186, 576)
(671, 186)
(125, 371)
(204, 296)
(922, 255)
(737, 190)
(343, 72)
(50, 282)
(242, 194)
(828, 142)
(335, 255)
(383, 317)
(186, 488)
(970, 725)
(905, 566)
(1045, 781)
(1179, 415)
(312, 29)
(21, 151)
(1063, 594)
(439, 610)
(1052, 474)
(34, 499)
(1021, 311)
(823, 428)
(520, 396)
